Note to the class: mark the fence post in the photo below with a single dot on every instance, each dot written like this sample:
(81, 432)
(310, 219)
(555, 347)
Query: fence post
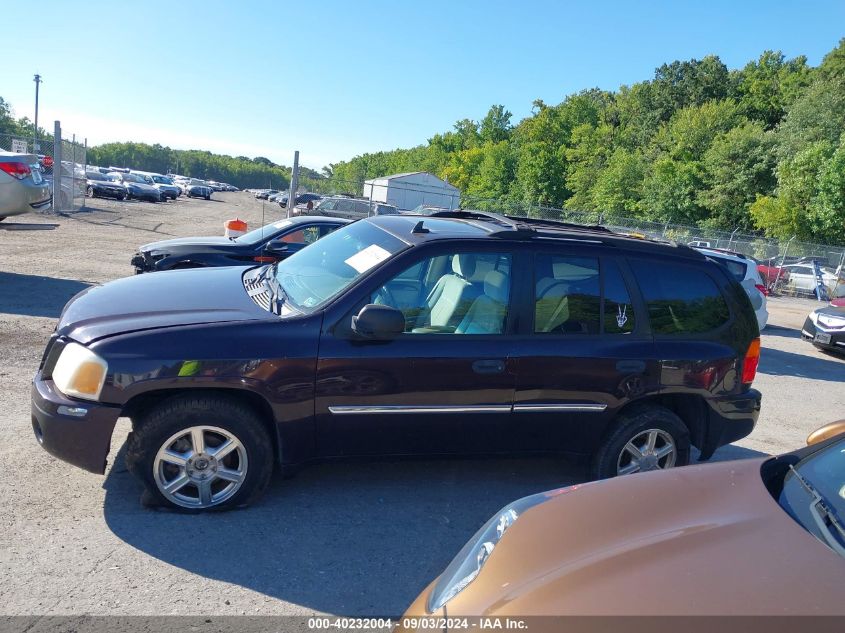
(294, 183)
(57, 166)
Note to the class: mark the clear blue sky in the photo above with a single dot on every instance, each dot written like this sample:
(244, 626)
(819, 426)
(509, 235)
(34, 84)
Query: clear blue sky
(336, 78)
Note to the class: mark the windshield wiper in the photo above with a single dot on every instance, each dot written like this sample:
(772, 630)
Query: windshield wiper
(824, 517)
(277, 295)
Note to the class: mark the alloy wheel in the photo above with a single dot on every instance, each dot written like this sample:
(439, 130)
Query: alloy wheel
(200, 467)
(653, 449)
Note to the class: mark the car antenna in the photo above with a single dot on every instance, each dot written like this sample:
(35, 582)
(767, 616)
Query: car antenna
(419, 228)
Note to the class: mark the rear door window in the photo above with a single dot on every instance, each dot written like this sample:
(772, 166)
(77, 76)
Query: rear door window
(680, 300)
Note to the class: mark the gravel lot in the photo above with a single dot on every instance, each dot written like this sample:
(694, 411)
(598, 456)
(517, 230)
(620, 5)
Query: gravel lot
(353, 539)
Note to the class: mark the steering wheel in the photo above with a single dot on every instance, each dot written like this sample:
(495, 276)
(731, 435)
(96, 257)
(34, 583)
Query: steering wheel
(383, 296)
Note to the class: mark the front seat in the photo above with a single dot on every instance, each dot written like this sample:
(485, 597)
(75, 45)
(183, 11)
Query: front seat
(488, 312)
(452, 295)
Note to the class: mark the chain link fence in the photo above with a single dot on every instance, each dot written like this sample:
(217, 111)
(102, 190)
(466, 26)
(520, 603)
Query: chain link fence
(62, 164)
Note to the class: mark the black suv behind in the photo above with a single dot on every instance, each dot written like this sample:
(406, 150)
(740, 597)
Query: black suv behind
(459, 333)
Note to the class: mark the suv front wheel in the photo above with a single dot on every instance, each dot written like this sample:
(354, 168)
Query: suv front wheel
(649, 438)
(201, 452)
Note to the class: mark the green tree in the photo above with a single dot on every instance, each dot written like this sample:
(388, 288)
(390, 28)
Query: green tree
(670, 192)
(769, 86)
(496, 125)
(689, 83)
(817, 115)
(827, 214)
(618, 189)
(739, 165)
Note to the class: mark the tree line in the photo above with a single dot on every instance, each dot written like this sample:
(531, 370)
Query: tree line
(761, 149)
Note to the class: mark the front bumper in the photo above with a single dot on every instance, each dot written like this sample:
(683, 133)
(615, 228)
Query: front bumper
(810, 332)
(109, 192)
(731, 418)
(75, 431)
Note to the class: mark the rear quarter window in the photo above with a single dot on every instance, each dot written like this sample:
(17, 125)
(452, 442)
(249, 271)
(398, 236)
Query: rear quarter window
(680, 299)
(735, 268)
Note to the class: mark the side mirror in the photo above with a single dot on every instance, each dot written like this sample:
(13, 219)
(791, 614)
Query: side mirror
(826, 432)
(280, 247)
(378, 322)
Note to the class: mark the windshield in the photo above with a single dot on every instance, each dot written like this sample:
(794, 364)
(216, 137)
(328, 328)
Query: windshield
(133, 178)
(95, 175)
(256, 235)
(162, 180)
(825, 472)
(324, 269)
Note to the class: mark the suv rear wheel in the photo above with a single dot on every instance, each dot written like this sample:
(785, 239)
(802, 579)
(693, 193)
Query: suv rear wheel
(648, 438)
(201, 452)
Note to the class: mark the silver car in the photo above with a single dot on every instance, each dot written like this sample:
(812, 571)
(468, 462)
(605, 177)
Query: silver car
(22, 186)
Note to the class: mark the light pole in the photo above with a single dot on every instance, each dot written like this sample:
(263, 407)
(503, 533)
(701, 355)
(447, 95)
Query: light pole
(35, 145)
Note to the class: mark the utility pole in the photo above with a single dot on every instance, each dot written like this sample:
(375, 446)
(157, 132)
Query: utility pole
(294, 182)
(35, 144)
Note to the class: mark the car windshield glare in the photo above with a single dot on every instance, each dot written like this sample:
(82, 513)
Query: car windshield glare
(316, 274)
(256, 235)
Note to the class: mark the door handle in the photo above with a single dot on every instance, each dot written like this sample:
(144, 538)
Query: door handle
(488, 366)
(630, 366)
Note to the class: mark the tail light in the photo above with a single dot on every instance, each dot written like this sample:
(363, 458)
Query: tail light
(264, 259)
(16, 170)
(762, 289)
(752, 359)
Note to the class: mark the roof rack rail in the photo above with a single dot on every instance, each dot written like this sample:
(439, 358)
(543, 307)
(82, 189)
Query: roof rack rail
(511, 227)
(561, 224)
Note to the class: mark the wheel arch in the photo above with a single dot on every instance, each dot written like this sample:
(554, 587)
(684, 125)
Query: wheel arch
(690, 408)
(145, 401)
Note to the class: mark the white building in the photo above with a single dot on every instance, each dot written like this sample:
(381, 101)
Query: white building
(408, 191)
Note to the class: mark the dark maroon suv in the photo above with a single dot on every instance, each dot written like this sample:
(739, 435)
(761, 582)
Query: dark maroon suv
(457, 333)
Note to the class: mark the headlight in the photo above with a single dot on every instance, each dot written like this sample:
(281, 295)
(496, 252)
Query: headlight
(814, 317)
(469, 561)
(79, 372)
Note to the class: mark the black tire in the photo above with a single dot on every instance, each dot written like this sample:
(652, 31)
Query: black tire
(155, 427)
(90, 192)
(208, 197)
(630, 425)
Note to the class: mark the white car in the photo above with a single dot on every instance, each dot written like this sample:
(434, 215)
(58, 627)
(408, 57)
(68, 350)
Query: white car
(802, 277)
(744, 270)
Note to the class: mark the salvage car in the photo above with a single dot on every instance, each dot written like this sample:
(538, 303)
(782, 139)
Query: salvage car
(825, 328)
(168, 189)
(137, 188)
(101, 186)
(454, 334)
(198, 191)
(270, 243)
(759, 536)
(22, 186)
(350, 208)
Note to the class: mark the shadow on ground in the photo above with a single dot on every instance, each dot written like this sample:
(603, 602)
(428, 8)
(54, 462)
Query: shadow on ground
(345, 538)
(783, 332)
(777, 362)
(341, 538)
(36, 295)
